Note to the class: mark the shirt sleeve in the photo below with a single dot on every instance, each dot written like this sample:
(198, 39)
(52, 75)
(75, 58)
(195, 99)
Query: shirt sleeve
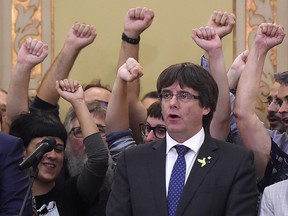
(118, 141)
(39, 104)
(205, 63)
(91, 178)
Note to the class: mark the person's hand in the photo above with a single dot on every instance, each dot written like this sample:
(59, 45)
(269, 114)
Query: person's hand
(236, 69)
(130, 70)
(70, 90)
(222, 22)
(32, 52)
(81, 35)
(206, 38)
(137, 20)
(269, 35)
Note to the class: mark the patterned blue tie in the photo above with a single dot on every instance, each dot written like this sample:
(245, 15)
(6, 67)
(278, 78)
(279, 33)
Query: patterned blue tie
(177, 180)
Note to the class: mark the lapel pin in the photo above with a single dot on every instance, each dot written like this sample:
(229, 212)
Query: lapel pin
(203, 161)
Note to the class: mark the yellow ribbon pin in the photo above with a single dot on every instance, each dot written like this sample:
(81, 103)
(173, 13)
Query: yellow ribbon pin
(203, 161)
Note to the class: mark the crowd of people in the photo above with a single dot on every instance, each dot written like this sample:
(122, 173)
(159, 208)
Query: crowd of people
(194, 145)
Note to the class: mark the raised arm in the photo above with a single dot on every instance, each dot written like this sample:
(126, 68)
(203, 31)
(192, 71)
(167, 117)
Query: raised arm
(236, 69)
(79, 36)
(252, 130)
(208, 40)
(136, 21)
(223, 23)
(117, 117)
(31, 53)
(93, 173)
(233, 75)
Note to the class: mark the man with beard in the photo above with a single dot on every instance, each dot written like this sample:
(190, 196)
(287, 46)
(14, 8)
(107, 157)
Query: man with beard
(273, 116)
(76, 155)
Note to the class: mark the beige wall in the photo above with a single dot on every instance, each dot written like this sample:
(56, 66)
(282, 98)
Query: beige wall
(166, 42)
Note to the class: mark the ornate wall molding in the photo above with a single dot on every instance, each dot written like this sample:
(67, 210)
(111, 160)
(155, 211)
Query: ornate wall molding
(22, 19)
(251, 13)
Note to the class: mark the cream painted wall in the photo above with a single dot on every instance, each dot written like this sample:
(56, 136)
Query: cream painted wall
(166, 42)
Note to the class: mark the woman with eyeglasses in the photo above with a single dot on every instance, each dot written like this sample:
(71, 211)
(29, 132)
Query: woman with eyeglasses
(74, 196)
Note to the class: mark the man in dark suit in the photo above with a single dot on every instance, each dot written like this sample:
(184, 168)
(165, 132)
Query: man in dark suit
(13, 181)
(218, 178)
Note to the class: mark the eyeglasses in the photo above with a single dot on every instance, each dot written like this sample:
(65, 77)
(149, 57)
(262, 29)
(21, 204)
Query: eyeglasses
(182, 96)
(158, 131)
(77, 132)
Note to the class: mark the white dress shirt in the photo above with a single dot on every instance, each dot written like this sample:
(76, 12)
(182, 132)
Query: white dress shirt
(194, 144)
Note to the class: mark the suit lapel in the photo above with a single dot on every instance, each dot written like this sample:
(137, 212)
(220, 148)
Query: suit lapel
(156, 167)
(198, 173)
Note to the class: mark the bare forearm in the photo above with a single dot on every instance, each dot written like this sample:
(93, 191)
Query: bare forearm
(137, 112)
(128, 50)
(220, 124)
(59, 70)
(251, 129)
(17, 100)
(117, 117)
(248, 86)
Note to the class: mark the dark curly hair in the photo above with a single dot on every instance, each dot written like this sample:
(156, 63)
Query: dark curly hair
(37, 124)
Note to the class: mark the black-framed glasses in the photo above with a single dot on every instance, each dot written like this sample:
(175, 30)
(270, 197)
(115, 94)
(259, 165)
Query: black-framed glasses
(77, 132)
(158, 131)
(182, 96)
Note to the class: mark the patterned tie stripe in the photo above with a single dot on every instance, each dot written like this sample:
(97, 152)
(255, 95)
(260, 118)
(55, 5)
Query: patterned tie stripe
(177, 180)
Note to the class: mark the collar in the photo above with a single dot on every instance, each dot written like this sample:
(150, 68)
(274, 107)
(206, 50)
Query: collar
(194, 143)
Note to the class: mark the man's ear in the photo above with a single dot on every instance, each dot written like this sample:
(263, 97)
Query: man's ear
(206, 110)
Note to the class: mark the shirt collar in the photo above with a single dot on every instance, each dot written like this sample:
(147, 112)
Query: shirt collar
(194, 143)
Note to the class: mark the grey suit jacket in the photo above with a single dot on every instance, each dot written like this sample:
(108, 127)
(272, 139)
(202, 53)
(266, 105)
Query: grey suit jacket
(224, 186)
(275, 200)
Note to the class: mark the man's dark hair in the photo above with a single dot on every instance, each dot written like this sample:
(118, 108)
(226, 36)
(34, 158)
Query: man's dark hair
(155, 110)
(151, 94)
(195, 77)
(281, 78)
(96, 83)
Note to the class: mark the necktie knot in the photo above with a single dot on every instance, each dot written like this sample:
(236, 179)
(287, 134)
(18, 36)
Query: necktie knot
(181, 149)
